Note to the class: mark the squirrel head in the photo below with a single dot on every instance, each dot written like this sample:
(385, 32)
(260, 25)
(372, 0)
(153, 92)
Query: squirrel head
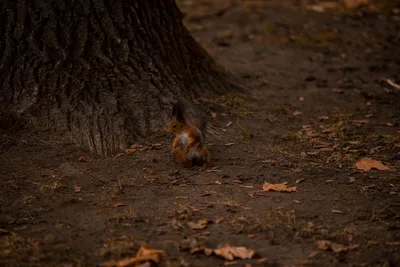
(175, 126)
(177, 121)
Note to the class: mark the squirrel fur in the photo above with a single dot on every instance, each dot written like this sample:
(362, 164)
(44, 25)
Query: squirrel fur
(189, 126)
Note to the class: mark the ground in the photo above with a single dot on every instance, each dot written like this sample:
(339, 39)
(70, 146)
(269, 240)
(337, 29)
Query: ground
(319, 101)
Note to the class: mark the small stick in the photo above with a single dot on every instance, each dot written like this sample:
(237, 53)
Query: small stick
(119, 184)
(89, 174)
(393, 84)
(45, 142)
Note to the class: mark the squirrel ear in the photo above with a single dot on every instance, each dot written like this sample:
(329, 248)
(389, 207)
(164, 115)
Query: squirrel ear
(177, 111)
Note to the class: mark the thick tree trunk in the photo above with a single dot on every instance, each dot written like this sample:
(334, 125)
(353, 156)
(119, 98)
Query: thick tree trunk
(99, 72)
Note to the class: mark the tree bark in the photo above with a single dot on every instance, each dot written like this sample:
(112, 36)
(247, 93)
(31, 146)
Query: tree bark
(99, 72)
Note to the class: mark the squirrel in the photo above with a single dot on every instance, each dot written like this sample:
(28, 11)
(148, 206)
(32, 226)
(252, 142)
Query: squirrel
(189, 127)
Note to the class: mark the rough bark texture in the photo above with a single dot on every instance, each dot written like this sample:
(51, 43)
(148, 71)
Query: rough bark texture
(99, 72)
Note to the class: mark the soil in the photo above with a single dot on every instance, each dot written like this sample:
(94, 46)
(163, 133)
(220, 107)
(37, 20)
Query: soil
(319, 102)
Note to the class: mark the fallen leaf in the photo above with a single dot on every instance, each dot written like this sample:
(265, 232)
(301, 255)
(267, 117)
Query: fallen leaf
(296, 201)
(213, 170)
(251, 235)
(202, 248)
(354, 3)
(144, 254)
(329, 181)
(312, 254)
(82, 159)
(278, 187)
(116, 205)
(337, 211)
(218, 182)
(228, 252)
(352, 179)
(368, 186)
(360, 122)
(77, 189)
(246, 186)
(301, 98)
(229, 144)
(367, 164)
(296, 113)
(217, 221)
(300, 180)
(130, 150)
(4, 231)
(229, 124)
(335, 247)
(208, 193)
(227, 263)
(389, 124)
(199, 224)
(323, 117)
(213, 115)
(322, 6)
(395, 243)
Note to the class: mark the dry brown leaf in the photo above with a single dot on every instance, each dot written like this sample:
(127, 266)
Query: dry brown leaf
(228, 263)
(229, 144)
(199, 224)
(300, 180)
(116, 205)
(354, 3)
(218, 182)
(229, 124)
(360, 122)
(77, 189)
(82, 159)
(322, 6)
(395, 243)
(202, 248)
(145, 253)
(246, 186)
(335, 247)
(367, 164)
(228, 252)
(337, 211)
(312, 254)
(213, 115)
(323, 117)
(278, 187)
(130, 150)
(296, 113)
(217, 221)
(4, 231)
(251, 235)
(352, 179)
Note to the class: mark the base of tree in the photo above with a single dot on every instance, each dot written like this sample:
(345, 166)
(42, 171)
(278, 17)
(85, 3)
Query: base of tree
(102, 75)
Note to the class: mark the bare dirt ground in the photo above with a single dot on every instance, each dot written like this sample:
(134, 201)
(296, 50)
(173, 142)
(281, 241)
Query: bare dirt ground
(319, 103)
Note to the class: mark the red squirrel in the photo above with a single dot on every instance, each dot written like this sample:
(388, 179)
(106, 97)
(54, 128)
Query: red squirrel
(189, 126)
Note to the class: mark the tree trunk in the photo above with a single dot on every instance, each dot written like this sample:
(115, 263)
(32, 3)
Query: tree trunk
(99, 72)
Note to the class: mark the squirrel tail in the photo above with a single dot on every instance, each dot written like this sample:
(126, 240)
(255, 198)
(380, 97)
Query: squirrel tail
(187, 112)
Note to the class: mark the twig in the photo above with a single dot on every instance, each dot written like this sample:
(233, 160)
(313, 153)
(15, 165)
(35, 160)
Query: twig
(45, 142)
(119, 184)
(393, 84)
(88, 174)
